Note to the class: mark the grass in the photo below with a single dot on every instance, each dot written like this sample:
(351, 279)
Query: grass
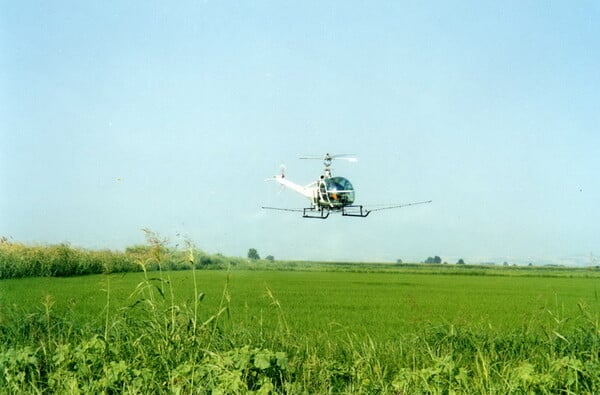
(289, 327)
(245, 330)
(383, 300)
(18, 260)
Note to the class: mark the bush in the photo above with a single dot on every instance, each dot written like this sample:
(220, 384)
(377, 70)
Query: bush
(62, 260)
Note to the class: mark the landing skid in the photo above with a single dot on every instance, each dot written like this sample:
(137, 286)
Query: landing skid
(355, 211)
(323, 212)
(315, 213)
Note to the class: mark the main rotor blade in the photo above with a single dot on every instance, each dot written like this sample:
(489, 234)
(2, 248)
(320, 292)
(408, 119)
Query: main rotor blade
(348, 157)
(311, 157)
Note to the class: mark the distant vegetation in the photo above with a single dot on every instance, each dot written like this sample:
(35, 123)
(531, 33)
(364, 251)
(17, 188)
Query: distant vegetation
(18, 260)
(253, 254)
(435, 259)
(62, 260)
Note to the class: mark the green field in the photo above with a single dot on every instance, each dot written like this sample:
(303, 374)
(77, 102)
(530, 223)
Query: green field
(320, 329)
(380, 304)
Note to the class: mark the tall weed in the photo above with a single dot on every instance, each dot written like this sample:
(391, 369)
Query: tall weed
(157, 345)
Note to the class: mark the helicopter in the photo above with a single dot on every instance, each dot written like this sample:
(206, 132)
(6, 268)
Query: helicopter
(329, 194)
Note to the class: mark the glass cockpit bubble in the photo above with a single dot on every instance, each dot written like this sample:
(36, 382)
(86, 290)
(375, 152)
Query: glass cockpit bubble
(338, 191)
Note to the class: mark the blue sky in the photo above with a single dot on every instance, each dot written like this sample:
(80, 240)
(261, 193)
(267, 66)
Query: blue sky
(120, 115)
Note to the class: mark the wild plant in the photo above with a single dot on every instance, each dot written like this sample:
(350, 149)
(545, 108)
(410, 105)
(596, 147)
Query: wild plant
(157, 344)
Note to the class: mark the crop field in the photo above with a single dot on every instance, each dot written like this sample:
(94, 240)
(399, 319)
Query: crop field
(393, 330)
(379, 304)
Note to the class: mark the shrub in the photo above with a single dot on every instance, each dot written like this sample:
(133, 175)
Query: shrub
(62, 260)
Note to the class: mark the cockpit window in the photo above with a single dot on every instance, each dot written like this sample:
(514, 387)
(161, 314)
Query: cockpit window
(339, 191)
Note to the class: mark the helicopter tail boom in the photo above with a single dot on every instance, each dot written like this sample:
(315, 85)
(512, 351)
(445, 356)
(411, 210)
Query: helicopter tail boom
(304, 191)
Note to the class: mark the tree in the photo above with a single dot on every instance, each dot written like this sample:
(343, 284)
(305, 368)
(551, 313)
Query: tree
(435, 259)
(253, 254)
(460, 262)
(270, 258)
(398, 261)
